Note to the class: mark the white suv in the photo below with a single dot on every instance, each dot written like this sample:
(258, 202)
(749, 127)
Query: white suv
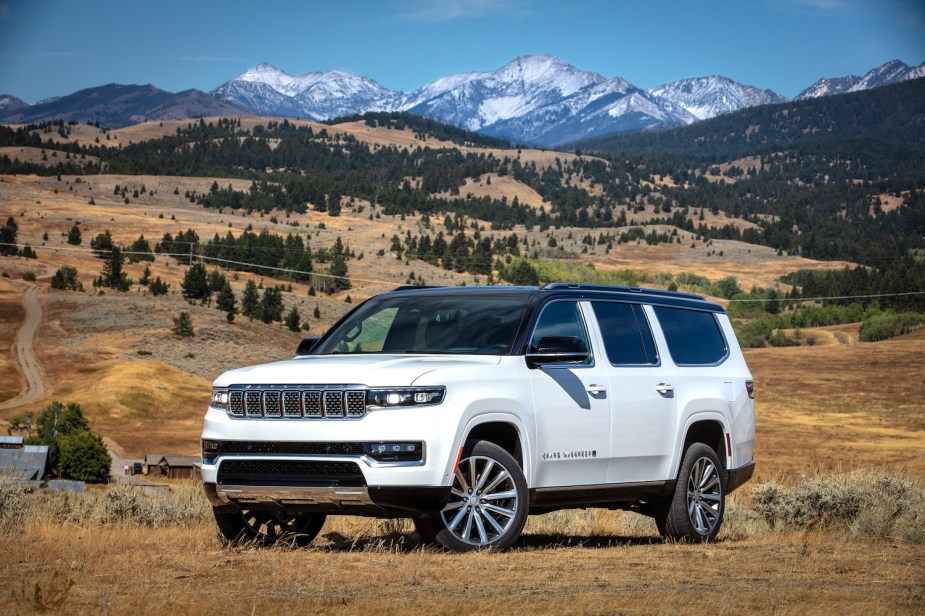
(467, 409)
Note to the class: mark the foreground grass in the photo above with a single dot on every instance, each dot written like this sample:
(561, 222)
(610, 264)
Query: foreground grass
(125, 551)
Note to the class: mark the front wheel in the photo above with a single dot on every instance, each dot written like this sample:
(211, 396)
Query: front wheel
(268, 527)
(695, 512)
(488, 502)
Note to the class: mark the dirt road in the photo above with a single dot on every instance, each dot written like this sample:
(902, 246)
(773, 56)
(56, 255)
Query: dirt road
(25, 353)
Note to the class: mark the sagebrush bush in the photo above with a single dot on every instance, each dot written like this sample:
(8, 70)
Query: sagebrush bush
(867, 505)
(126, 505)
(13, 504)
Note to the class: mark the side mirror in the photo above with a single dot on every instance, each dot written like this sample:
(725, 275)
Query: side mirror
(558, 349)
(305, 347)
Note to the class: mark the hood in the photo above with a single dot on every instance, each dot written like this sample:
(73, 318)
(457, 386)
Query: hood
(371, 370)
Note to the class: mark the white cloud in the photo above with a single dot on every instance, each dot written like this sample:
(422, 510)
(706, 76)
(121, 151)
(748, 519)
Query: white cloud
(430, 11)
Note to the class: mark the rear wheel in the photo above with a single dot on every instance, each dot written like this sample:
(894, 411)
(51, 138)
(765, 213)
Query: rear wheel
(269, 527)
(695, 512)
(488, 502)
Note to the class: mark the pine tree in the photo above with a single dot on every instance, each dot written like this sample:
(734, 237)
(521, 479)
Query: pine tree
(8, 237)
(226, 300)
(195, 283)
(73, 236)
(250, 300)
(102, 244)
(113, 276)
(271, 305)
(293, 320)
(183, 325)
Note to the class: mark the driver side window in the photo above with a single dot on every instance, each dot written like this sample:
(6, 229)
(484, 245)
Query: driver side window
(561, 319)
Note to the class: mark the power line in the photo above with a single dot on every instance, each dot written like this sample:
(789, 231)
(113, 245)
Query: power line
(811, 299)
(183, 255)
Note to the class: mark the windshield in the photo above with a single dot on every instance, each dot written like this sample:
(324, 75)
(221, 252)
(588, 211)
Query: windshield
(472, 325)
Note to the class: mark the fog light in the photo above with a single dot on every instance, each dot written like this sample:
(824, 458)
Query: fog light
(210, 451)
(393, 399)
(394, 452)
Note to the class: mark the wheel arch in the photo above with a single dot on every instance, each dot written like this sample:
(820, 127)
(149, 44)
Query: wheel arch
(503, 430)
(709, 428)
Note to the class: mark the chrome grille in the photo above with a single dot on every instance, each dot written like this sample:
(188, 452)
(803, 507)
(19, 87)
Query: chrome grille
(312, 401)
(297, 401)
(236, 403)
(355, 402)
(272, 403)
(292, 403)
(252, 405)
(334, 404)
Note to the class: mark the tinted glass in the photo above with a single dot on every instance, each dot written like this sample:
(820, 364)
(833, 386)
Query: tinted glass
(627, 338)
(420, 324)
(693, 337)
(560, 319)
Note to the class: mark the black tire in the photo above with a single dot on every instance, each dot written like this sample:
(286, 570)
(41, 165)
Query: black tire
(695, 512)
(487, 518)
(268, 527)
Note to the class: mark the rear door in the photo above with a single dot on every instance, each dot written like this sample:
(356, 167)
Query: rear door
(571, 402)
(643, 408)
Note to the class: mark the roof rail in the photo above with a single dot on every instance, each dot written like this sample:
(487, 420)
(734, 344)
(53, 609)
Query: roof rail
(619, 288)
(410, 287)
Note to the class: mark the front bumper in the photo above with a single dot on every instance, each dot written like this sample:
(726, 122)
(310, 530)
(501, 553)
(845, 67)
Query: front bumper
(367, 500)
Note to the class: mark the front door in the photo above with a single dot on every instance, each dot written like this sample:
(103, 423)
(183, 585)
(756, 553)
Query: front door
(572, 407)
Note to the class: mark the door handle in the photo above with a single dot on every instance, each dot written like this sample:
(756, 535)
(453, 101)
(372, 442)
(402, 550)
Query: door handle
(596, 389)
(664, 388)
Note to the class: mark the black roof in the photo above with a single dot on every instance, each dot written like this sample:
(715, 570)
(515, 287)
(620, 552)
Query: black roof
(581, 290)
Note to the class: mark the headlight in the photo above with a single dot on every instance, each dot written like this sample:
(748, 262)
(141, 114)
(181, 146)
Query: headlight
(220, 398)
(404, 396)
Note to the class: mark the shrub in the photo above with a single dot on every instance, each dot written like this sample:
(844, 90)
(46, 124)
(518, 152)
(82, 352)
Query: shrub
(865, 505)
(66, 278)
(13, 505)
(889, 324)
(183, 325)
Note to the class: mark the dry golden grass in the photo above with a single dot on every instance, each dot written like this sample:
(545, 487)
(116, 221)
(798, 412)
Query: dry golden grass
(12, 315)
(186, 570)
(499, 188)
(840, 407)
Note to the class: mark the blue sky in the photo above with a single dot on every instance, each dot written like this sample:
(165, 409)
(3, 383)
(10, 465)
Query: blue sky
(55, 47)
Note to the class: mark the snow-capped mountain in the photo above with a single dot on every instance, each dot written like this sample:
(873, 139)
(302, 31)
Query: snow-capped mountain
(10, 104)
(708, 97)
(532, 99)
(317, 96)
(519, 88)
(893, 71)
(608, 107)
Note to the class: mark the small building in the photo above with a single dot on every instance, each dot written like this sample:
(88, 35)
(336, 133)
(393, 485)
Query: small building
(21, 462)
(173, 466)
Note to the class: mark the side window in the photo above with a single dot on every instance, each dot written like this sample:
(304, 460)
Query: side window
(626, 333)
(693, 337)
(560, 319)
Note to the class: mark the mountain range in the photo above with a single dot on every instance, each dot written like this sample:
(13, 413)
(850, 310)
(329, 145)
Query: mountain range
(535, 99)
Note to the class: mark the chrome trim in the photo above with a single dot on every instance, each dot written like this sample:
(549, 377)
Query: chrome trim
(286, 495)
(364, 458)
(252, 401)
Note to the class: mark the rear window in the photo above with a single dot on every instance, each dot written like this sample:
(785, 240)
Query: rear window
(693, 337)
(627, 337)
